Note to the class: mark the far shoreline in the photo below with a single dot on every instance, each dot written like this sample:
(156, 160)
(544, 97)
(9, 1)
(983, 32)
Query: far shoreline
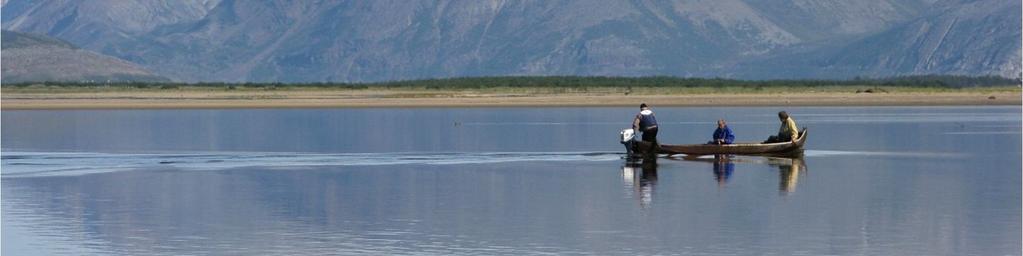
(198, 99)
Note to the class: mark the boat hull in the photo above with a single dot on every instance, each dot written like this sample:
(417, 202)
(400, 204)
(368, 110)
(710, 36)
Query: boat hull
(793, 148)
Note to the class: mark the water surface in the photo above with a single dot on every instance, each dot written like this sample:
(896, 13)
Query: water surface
(874, 180)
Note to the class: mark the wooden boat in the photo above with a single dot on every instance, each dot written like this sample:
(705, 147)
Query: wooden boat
(775, 149)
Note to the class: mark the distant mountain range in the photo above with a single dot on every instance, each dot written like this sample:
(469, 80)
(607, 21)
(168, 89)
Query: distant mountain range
(358, 41)
(31, 57)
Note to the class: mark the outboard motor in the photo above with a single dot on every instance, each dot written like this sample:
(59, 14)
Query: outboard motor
(628, 138)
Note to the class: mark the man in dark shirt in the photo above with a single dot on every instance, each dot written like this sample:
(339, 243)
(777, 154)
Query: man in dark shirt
(646, 122)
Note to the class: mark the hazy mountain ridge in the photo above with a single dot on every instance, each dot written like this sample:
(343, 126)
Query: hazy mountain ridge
(13, 39)
(28, 57)
(972, 38)
(389, 40)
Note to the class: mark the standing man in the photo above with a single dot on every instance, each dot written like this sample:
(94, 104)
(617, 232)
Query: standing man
(646, 122)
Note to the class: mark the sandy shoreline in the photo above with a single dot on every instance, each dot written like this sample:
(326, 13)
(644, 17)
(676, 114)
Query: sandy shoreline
(329, 99)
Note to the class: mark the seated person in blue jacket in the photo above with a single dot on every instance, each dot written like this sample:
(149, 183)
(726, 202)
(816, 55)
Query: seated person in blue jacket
(722, 135)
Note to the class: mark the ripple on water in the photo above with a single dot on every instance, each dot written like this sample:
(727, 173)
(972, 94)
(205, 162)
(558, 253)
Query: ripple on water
(38, 164)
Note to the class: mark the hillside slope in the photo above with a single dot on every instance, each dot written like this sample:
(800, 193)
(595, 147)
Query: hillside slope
(28, 57)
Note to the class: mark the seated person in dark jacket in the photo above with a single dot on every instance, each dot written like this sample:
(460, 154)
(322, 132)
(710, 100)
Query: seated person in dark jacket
(723, 135)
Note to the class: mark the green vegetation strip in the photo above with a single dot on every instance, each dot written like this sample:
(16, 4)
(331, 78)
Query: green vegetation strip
(533, 85)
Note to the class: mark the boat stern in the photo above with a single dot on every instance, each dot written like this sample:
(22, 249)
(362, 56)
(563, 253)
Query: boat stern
(628, 138)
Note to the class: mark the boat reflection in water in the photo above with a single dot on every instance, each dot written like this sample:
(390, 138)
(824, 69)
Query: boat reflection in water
(640, 176)
(723, 169)
(640, 179)
(789, 168)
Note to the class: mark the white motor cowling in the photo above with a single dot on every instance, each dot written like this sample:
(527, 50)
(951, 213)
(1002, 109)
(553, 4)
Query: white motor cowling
(627, 135)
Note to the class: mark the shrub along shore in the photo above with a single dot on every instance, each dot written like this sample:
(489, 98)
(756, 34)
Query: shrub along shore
(519, 91)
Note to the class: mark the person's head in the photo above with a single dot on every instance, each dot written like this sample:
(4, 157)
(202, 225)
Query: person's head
(643, 106)
(783, 115)
(721, 123)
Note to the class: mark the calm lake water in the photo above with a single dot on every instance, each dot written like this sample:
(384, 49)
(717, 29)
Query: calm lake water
(442, 181)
